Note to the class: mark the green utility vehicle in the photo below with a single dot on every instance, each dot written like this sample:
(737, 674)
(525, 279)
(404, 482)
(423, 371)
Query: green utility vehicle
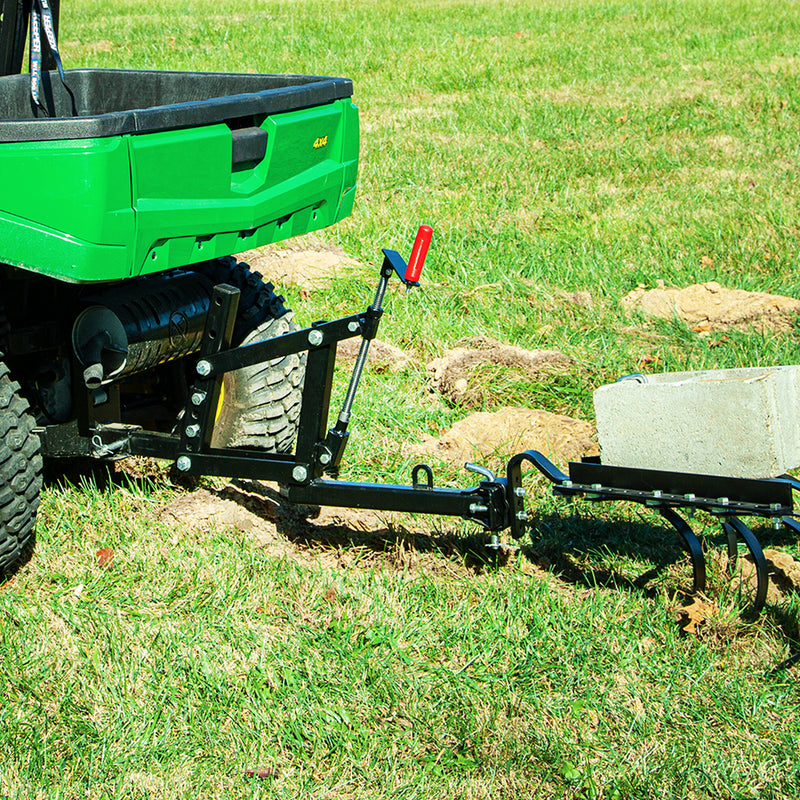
(122, 195)
(126, 326)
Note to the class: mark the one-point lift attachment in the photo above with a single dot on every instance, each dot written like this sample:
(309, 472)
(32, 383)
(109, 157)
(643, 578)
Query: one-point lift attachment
(309, 475)
(726, 498)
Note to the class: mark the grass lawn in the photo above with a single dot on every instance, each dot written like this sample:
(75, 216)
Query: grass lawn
(556, 147)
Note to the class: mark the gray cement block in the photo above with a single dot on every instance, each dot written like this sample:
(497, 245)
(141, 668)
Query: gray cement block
(739, 422)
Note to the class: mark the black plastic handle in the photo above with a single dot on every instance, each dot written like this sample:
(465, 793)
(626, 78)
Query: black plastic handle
(249, 145)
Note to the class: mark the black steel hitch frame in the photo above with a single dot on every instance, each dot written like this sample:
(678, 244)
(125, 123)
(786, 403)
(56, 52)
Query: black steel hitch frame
(309, 474)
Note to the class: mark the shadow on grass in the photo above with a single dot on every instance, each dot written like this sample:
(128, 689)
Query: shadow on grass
(585, 551)
(596, 553)
(301, 525)
(104, 475)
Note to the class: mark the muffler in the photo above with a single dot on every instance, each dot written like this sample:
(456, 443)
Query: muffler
(136, 326)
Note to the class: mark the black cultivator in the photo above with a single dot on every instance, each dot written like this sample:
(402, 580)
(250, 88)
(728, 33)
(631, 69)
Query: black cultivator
(726, 498)
(309, 475)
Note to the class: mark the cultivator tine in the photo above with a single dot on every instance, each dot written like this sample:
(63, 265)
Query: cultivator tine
(734, 528)
(732, 545)
(692, 546)
(792, 524)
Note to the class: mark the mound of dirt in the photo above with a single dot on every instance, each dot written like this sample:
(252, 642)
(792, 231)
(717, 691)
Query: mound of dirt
(202, 510)
(709, 306)
(784, 575)
(382, 357)
(491, 438)
(784, 570)
(453, 374)
(304, 262)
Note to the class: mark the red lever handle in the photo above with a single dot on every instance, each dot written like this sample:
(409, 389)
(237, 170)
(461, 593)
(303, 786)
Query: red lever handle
(418, 253)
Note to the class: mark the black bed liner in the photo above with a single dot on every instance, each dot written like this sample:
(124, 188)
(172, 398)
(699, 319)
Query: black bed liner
(110, 102)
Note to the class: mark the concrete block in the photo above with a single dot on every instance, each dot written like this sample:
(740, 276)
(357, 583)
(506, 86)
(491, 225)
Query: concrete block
(744, 423)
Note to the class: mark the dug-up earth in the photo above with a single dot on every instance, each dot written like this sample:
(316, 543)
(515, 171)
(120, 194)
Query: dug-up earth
(304, 262)
(709, 307)
(784, 575)
(452, 374)
(491, 437)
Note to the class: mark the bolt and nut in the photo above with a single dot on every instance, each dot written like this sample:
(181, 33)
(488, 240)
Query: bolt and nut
(300, 473)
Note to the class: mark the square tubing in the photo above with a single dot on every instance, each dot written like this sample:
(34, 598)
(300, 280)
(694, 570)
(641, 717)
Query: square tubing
(197, 425)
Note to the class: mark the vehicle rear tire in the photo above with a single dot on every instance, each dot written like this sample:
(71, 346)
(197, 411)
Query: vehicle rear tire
(20, 474)
(260, 405)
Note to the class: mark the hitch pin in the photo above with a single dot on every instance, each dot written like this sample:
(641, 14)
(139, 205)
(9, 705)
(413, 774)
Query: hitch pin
(480, 471)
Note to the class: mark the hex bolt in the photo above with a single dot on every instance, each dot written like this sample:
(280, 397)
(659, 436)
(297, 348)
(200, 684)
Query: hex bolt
(324, 458)
(315, 337)
(203, 368)
(198, 398)
(522, 516)
(192, 431)
(184, 463)
(299, 473)
(353, 326)
(519, 491)
(478, 508)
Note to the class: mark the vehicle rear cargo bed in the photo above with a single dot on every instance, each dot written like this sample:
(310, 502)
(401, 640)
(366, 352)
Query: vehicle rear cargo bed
(145, 171)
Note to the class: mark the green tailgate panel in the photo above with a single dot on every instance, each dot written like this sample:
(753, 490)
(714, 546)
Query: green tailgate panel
(191, 204)
(65, 208)
(110, 208)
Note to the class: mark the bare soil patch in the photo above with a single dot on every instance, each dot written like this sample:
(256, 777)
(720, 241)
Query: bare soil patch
(784, 575)
(203, 510)
(456, 375)
(305, 262)
(491, 437)
(709, 306)
(383, 357)
(333, 537)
